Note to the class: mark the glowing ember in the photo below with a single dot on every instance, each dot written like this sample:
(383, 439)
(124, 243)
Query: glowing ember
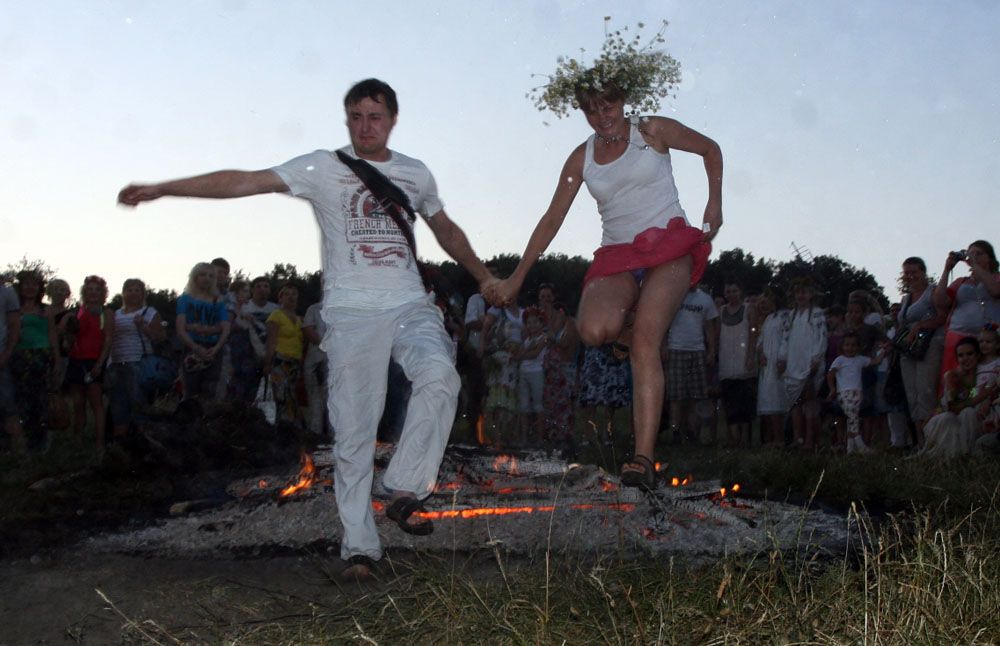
(307, 477)
(658, 466)
(481, 430)
(504, 511)
(509, 490)
(736, 487)
(608, 486)
(506, 464)
(262, 484)
(476, 512)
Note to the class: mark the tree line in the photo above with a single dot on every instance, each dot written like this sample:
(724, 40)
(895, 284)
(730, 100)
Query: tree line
(833, 277)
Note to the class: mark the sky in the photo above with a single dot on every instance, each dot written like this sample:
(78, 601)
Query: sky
(863, 130)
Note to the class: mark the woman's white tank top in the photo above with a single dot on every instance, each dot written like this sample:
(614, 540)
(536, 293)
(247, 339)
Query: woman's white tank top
(634, 192)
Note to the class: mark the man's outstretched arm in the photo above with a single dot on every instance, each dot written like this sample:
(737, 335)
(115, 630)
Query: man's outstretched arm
(452, 239)
(219, 185)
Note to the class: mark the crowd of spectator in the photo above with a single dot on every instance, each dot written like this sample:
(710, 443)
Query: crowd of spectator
(851, 377)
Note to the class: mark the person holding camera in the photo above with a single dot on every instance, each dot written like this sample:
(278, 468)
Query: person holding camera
(971, 301)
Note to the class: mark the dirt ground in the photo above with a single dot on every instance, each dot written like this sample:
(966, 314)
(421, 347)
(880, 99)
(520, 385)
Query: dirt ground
(56, 599)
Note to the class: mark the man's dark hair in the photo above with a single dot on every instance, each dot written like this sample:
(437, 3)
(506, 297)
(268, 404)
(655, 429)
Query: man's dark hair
(260, 279)
(220, 262)
(374, 89)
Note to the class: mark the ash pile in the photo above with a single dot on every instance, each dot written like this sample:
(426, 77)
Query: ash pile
(520, 503)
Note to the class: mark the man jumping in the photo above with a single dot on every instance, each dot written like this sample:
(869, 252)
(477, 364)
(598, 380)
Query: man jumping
(375, 306)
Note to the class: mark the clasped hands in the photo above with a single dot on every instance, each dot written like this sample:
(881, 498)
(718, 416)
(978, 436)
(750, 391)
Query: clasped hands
(499, 293)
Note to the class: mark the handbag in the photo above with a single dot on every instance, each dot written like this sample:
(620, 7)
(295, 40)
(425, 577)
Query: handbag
(916, 349)
(156, 373)
(264, 401)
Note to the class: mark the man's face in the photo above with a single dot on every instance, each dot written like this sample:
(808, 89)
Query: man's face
(221, 278)
(369, 124)
(734, 295)
(261, 290)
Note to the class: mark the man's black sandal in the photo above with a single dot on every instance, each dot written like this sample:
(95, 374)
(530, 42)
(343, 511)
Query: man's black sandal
(644, 479)
(400, 511)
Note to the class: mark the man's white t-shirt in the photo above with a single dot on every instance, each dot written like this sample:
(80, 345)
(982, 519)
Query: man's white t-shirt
(367, 262)
(687, 332)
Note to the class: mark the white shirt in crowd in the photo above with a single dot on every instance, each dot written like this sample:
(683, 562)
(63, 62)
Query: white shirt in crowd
(314, 355)
(687, 332)
(849, 371)
(128, 343)
(475, 310)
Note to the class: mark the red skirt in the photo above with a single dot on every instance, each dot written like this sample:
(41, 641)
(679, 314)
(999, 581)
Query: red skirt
(651, 248)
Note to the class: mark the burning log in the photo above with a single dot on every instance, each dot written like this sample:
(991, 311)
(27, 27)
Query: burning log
(307, 477)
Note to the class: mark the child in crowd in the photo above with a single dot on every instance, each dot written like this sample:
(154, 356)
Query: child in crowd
(844, 380)
(987, 375)
(531, 381)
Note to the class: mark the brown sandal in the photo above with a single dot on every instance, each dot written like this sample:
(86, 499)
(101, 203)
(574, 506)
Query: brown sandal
(644, 479)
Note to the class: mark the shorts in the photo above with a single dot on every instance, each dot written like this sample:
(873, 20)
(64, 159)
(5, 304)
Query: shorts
(8, 408)
(78, 369)
(529, 391)
(686, 375)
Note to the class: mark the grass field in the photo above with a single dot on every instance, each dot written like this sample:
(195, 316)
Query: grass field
(925, 573)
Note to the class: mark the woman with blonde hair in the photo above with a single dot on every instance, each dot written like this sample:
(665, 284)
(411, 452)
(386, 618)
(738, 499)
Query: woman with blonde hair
(203, 327)
(58, 291)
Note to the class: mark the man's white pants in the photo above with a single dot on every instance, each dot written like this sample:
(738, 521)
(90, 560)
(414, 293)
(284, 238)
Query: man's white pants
(359, 344)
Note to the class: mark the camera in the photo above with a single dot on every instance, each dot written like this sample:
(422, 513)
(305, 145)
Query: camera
(961, 254)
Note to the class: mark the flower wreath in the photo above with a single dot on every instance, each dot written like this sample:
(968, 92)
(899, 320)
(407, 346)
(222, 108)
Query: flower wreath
(643, 74)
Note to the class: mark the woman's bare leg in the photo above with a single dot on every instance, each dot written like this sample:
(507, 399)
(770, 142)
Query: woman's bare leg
(603, 306)
(662, 292)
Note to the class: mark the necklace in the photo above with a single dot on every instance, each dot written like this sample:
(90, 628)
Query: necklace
(612, 139)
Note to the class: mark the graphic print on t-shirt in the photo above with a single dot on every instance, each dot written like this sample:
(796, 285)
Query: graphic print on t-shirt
(373, 237)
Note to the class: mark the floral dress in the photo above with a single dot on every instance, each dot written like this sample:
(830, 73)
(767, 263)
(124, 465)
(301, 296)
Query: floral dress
(604, 381)
(557, 395)
(501, 369)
